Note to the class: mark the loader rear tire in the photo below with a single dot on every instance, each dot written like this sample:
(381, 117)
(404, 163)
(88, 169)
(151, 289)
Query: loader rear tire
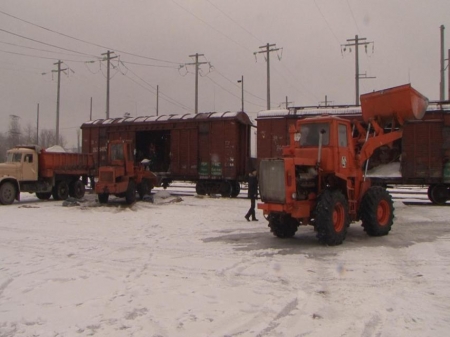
(7, 193)
(61, 190)
(377, 211)
(282, 225)
(331, 218)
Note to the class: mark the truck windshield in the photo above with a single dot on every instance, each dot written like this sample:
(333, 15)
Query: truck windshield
(14, 157)
(117, 152)
(310, 134)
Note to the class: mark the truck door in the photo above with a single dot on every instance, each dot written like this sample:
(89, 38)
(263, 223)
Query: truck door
(29, 167)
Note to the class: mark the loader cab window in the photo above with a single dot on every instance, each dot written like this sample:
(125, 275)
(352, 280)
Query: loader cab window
(14, 157)
(342, 135)
(117, 152)
(310, 134)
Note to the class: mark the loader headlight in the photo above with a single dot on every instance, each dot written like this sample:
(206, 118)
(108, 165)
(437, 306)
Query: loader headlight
(96, 179)
(294, 196)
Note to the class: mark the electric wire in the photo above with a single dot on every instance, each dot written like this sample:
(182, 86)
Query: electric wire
(87, 42)
(326, 21)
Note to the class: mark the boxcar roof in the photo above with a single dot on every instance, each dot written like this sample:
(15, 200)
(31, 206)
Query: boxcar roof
(338, 110)
(240, 116)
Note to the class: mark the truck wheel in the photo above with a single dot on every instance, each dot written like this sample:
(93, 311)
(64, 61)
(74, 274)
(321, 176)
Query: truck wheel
(77, 189)
(130, 194)
(331, 217)
(60, 191)
(377, 211)
(43, 195)
(282, 225)
(438, 194)
(7, 193)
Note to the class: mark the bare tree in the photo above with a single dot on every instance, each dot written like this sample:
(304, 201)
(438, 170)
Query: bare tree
(3, 148)
(47, 138)
(29, 135)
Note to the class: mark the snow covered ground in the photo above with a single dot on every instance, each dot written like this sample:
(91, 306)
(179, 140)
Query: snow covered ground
(189, 266)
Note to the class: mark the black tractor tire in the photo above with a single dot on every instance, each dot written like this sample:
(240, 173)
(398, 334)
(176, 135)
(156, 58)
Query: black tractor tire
(438, 194)
(77, 189)
(377, 211)
(7, 193)
(103, 198)
(331, 218)
(130, 194)
(43, 195)
(236, 188)
(282, 225)
(61, 190)
(200, 188)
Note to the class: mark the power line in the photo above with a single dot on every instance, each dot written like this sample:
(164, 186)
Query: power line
(84, 41)
(234, 21)
(351, 12)
(206, 23)
(44, 43)
(326, 21)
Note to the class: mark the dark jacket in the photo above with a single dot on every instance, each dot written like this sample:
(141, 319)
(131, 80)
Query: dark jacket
(252, 186)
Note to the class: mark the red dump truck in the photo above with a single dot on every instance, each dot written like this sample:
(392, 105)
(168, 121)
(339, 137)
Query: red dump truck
(34, 170)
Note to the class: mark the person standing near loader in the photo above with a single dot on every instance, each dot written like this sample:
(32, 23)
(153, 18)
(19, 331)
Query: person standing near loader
(252, 194)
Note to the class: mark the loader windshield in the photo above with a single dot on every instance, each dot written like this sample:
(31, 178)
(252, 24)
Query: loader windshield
(310, 134)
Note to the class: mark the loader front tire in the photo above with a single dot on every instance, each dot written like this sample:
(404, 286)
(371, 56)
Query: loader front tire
(282, 225)
(331, 218)
(130, 194)
(377, 211)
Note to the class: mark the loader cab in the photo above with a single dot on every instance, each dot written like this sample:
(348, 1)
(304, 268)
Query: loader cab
(21, 163)
(324, 141)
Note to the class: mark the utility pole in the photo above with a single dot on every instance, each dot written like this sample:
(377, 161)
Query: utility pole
(286, 103)
(108, 60)
(37, 126)
(442, 84)
(448, 69)
(267, 50)
(241, 81)
(157, 100)
(59, 70)
(90, 111)
(326, 101)
(197, 64)
(356, 43)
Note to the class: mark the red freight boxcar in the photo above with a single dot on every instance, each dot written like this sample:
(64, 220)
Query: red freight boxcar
(211, 149)
(421, 157)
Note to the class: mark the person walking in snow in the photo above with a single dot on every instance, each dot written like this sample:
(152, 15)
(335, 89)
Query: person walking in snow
(252, 194)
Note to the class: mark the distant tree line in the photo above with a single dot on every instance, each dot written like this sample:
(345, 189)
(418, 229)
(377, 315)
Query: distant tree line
(16, 135)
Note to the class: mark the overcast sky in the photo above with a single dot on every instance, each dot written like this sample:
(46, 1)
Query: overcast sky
(153, 40)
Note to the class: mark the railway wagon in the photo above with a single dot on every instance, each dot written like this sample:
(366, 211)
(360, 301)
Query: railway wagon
(421, 157)
(210, 149)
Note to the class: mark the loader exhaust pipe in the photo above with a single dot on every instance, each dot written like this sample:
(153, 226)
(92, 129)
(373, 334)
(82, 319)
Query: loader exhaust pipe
(319, 154)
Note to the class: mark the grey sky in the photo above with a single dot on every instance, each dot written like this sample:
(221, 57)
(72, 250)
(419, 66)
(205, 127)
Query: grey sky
(406, 49)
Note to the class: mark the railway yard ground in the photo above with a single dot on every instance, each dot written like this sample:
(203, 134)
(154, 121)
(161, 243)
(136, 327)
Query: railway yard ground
(180, 265)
